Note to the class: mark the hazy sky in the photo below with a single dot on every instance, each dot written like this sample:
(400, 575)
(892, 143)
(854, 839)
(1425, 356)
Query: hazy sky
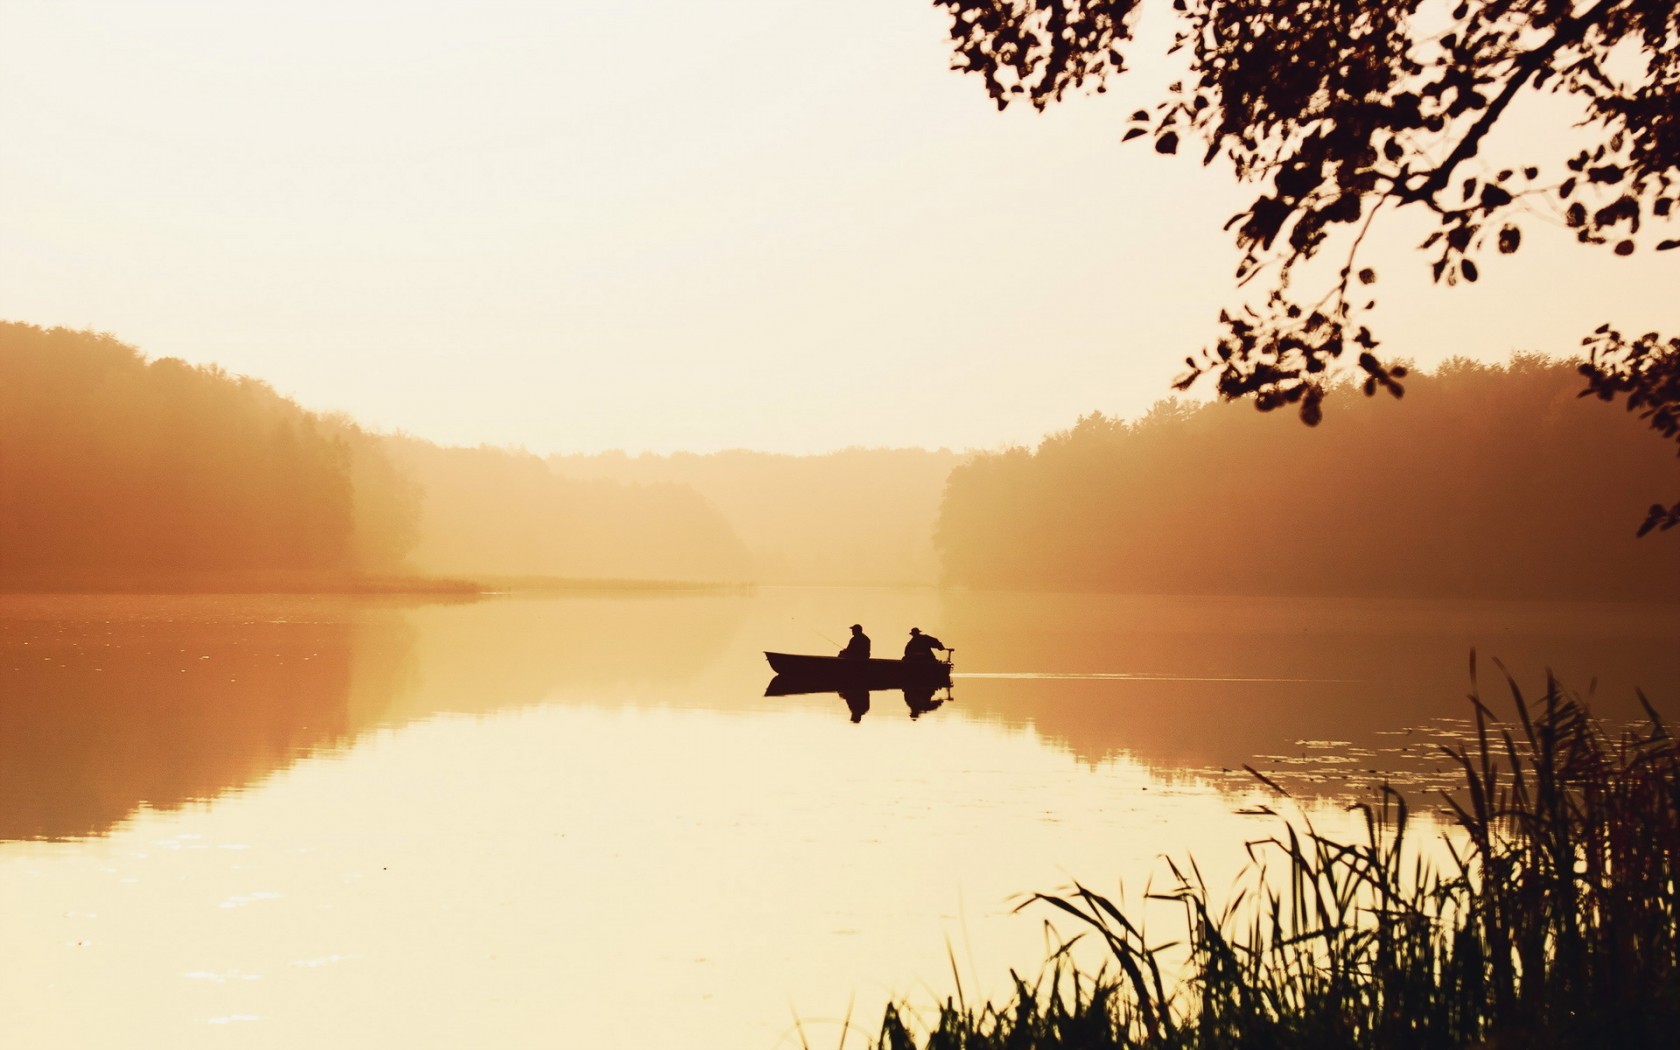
(773, 224)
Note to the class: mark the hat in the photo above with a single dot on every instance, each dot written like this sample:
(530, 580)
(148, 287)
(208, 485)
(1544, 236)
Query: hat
(857, 626)
(915, 630)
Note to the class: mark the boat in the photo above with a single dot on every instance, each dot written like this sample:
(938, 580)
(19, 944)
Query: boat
(800, 673)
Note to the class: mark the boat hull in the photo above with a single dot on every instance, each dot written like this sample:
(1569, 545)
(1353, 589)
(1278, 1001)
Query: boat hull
(800, 673)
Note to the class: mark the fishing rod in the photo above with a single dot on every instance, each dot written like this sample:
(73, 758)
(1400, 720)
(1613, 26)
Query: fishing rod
(823, 636)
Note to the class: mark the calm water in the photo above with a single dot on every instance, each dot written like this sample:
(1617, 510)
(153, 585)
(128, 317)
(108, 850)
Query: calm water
(548, 822)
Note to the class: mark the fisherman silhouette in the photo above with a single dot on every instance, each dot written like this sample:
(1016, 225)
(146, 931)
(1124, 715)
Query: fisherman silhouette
(921, 646)
(858, 647)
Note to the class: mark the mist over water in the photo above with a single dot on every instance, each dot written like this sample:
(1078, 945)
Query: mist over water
(330, 820)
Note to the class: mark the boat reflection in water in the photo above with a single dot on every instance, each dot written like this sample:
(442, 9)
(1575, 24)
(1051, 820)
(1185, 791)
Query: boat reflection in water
(854, 680)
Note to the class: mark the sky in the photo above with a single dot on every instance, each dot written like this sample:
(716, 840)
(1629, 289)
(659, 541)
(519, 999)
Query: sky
(653, 225)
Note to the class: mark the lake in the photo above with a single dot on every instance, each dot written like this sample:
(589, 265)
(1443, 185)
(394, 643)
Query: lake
(576, 819)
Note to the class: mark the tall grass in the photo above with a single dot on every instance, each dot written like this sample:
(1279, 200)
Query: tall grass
(1550, 917)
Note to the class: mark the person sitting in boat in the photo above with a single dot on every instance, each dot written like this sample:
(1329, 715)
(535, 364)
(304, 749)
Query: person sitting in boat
(858, 647)
(921, 646)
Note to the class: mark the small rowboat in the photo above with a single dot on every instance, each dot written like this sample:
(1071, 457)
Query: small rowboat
(835, 672)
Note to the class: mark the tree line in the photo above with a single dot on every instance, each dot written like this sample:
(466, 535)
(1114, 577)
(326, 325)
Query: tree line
(115, 467)
(1333, 113)
(860, 515)
(119, 472)
(1488, 481)
(506, 515)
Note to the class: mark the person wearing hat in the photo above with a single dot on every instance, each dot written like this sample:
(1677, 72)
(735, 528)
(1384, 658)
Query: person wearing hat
(921, 646)
(858, 647)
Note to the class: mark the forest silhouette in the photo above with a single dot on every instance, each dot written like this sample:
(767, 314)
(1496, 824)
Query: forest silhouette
(1487, 481)
(119, 473)
(505, 516)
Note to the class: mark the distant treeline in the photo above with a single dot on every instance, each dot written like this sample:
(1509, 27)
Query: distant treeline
(502, 514)
(114, 468)
(1484, 481)
(119, 472)
(862, 515)
(116, 471)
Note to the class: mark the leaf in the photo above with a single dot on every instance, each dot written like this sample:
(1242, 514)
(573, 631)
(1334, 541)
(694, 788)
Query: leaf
(1495, 197)
(1132, 134)
(1663, 246)
(1510, 239)
(1167, 143)
(1624, 248)
(1653, 517)
(1469, 270)
(1367, 276)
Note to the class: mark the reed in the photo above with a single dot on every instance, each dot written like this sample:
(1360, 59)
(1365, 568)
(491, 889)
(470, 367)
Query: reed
(1549, 917)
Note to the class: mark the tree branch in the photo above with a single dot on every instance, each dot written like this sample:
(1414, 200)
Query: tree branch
(1528, 64)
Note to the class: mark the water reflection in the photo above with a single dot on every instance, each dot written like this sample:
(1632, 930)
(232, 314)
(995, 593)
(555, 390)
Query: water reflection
(491, 880)
(111, 704)
(596, 648)
(597, 786)
(918, 699)
(162, 702)
(1213, 682)
(921, 701)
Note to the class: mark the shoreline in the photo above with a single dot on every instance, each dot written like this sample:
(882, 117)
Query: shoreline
(344, 585)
